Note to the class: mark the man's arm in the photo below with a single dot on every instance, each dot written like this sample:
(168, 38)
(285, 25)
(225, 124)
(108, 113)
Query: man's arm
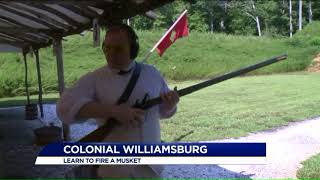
(79, 102)
(170, 98)
(95, 110)
(72, 99)
(123, 113)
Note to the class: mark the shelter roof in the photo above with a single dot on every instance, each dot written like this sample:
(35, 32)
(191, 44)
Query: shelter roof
(26, 23)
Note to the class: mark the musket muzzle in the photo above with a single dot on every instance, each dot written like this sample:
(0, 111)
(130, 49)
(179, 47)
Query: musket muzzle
(283, 57)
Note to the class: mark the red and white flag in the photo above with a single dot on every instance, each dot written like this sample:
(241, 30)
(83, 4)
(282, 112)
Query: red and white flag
(180, 27)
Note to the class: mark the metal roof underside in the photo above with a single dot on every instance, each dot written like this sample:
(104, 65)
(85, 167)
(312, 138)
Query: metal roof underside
(26, 23)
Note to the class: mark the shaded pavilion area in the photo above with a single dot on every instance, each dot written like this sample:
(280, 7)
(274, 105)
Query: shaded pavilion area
(26, 26)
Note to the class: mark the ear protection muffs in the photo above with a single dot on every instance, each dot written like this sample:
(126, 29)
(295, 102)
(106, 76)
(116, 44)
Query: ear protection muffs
(133, 39)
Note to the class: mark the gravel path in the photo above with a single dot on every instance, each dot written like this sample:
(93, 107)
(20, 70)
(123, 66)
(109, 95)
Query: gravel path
(286, 148)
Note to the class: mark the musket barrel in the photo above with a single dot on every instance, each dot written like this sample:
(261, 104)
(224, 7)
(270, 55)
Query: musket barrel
(196, 87)
(230, 75)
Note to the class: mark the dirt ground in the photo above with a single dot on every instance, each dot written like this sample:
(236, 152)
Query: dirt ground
(315, 67)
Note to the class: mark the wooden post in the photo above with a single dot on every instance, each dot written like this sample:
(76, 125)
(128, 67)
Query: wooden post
(31, 51)
(59, 55)
(39, 82)
(2, 163)
(26, 76)
(96, 33)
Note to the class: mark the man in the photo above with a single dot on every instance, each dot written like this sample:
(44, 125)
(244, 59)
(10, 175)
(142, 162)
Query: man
(95, 96)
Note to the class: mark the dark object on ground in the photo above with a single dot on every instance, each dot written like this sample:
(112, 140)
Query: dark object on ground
(31, 112)
(48, 134)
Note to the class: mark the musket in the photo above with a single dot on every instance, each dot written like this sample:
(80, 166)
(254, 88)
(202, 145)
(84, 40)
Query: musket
(104, 130)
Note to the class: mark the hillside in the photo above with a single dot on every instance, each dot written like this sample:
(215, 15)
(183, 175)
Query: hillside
(201, 55)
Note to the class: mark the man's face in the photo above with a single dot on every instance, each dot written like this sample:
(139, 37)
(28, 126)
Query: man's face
(117, 49)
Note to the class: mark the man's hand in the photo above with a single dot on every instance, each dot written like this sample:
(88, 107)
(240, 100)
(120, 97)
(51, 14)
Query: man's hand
(128, 116)
(170, 100)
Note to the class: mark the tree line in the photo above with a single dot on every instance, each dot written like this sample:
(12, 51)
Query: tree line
(245, 17)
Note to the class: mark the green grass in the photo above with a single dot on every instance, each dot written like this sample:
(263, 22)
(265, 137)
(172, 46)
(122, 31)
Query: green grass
(242, 105)
(310, 169)
(201, 55)
(238, 106)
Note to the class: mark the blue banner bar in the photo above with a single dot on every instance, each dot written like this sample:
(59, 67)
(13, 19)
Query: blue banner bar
(153, 149)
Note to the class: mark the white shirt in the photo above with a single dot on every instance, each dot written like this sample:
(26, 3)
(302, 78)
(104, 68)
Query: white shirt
(106, 86)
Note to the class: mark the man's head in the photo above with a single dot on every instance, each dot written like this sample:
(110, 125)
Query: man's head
(120, 46)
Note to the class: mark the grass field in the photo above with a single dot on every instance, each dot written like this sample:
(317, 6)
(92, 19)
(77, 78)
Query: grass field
(310, 169)
(239, 106)
(236, 107)
(201, 55)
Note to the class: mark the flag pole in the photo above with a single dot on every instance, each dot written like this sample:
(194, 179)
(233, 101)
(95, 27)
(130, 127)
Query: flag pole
(157, 44)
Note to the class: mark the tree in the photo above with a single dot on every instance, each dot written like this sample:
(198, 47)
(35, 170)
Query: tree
(209, 6)
(300, 15)
(240, 19)
(141, 22)
(310, 11)
(290, 17)
(245, 17)
(249, 9)
(256, 18)
(224, 6)
(209, 10)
